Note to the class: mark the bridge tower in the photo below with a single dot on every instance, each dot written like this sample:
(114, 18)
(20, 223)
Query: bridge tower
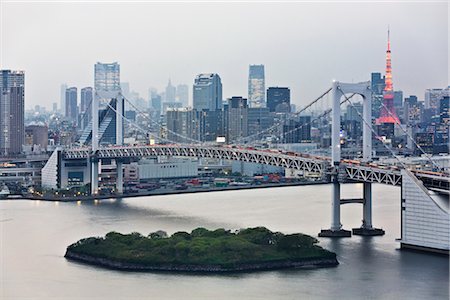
(107, 87)
(339, 90)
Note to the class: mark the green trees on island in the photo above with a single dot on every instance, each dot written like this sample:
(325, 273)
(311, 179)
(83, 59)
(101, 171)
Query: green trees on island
(202, 247)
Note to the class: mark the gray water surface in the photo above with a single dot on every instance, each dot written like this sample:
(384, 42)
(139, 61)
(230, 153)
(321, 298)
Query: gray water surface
(35, 234)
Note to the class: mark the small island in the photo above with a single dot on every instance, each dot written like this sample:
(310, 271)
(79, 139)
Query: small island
(203, 250)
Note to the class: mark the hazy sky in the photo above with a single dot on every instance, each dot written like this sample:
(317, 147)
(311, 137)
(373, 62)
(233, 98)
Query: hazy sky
(302, 45)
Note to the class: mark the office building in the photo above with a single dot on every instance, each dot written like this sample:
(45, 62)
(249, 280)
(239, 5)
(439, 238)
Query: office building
(377, 83)
(183, 94)
(170, 92)
(443, 110)
(86, 99)
(237, 111)
(211, 125)
(259, 119)
(72, 104)
(36, 135)
(279, 99)
(62, 99)
(297, 131)
(207, 94)
(86, 95)
(156, 102)
(256, 86)
(12, 106)
(398, 100)
(182, 125)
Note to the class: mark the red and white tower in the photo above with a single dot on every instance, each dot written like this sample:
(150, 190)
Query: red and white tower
(387, 114)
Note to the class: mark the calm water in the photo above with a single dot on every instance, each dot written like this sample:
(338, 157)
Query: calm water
(34, 236)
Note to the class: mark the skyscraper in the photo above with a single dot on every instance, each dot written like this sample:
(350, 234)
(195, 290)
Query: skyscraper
(107, 76)
(170, 92)
(71, 104)
(86, 99)
(12, 104)
(279, 99)
(256, 86)
(62, 100)
(85, 106)
(183, 94)
(388, 114)
(237, 118)
(207, 92)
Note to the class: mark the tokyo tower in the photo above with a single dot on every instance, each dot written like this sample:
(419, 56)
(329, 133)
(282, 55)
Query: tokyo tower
(387, 114)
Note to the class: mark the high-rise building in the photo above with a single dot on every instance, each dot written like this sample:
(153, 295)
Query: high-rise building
(259, 119)
(72, 104)
(171, 92)
(156, 102)
(237, 118)
(256, 86)
(183, 94)
(388, 114)
(207, 92)
(433, 97)
(62, 99)
(107, 76)
(85, 106)
(86, 99)
(55, 107)
(12, 106)
(443, 110)
(398, 99)
(36, 134)
(411, 110)
(279, 99)
(297, 131)
(377, 83)
(182, 125)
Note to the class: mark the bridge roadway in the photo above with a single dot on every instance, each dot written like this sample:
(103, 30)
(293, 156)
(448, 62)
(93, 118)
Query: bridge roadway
(349, 170)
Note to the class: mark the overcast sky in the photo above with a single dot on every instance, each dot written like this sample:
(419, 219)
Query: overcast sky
(302, 45)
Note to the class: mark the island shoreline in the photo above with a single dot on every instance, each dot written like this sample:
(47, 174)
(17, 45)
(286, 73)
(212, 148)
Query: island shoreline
(312, 263)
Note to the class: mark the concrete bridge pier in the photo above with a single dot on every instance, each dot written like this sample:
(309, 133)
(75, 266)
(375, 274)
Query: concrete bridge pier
(119, 179)
(366, 228)
(94, 176)
(336, 226)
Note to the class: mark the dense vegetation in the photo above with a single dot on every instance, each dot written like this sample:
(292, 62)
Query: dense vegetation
(203, 247)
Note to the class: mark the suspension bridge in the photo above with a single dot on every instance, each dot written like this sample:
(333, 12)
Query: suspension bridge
(334, 169)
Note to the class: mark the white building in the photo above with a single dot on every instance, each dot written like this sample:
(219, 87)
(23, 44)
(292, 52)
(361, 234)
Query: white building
(172, 168)
(425, 215)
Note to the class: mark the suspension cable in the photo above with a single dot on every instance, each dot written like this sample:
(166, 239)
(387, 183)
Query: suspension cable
(160, 126)
(409, 136)
(139, 127)
(347, 99)
(244, 139)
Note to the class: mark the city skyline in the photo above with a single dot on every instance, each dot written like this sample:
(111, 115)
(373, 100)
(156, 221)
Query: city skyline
(292, 53)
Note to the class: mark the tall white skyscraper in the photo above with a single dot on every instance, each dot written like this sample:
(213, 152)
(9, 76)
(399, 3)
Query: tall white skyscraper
(256, 86)
(207, 93)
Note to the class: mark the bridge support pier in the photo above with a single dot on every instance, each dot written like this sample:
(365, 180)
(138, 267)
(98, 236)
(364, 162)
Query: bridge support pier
(366, 228)
(336, 226)
(119, 179)
(94, 176)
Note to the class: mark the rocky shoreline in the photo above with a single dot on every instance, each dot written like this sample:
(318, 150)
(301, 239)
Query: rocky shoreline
(264, 266)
